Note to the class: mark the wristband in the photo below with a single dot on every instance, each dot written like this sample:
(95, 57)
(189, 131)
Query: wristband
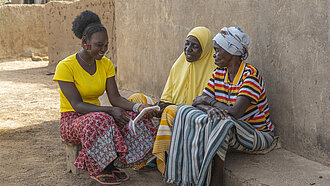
(213, 102)
(136, 107)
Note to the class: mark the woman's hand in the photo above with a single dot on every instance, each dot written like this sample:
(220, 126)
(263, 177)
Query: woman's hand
(218, 113)
(201, 100)
(198, 101)
(204, 100)
(120, 115)
(149, 113)
(163, 104)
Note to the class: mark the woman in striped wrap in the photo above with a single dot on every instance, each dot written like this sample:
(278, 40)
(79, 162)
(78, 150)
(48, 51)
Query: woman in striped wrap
(231, 112)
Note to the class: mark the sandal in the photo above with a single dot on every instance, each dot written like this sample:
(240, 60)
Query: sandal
(112, 177)
(122, 176)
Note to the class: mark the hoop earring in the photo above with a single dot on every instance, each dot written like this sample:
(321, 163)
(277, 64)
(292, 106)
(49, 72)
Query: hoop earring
(86, 46)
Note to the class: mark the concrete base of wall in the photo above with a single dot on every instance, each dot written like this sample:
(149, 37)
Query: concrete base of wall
(279, 167)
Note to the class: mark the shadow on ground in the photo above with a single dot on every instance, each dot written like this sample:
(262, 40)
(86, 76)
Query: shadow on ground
(34, 75)
(35, 155)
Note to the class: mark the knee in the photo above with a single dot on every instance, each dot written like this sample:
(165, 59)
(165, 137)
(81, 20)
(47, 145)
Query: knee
(169, 115)
(171, 109)
(99, 116)
(137, 98)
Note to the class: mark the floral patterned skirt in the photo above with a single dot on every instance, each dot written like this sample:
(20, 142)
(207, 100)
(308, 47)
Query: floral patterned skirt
(103, 141)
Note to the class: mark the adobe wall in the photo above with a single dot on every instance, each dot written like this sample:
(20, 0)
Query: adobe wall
(22, 31)
(289, 45)
(58, 21)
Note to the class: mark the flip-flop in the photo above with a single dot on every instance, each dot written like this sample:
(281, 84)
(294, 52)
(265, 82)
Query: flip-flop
(97, 178)
(122, 176)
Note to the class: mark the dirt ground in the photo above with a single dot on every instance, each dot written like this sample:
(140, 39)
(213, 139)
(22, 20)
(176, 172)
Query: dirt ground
(31, 151)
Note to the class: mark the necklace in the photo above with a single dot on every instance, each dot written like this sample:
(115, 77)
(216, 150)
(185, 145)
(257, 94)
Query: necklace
(84, 60)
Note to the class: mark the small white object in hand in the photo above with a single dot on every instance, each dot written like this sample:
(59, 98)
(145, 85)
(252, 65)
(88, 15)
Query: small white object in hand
(131, 123)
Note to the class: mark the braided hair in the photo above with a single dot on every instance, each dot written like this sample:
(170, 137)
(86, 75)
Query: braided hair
(86, 24)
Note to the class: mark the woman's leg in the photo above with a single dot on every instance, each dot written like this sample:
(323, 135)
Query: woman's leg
(163, 138)
(76, 128)
(103, 141)
(139, 144)
(141, 98)
(99, 136)
(69, 132)
(217, 178)
(198, 141)
(243, 137)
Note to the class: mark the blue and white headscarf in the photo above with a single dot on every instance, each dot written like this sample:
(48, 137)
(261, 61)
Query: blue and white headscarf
(234, 41)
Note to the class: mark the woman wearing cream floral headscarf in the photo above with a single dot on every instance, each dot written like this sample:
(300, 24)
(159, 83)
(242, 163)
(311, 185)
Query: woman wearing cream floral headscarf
(232, 112)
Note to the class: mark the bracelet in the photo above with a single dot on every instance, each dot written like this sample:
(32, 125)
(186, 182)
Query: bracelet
(213, 102)
(136, 107)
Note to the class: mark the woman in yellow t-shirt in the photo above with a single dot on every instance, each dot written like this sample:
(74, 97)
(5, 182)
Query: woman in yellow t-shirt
(102, 130)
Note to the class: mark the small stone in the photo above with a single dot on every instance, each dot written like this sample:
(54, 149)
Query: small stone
(45, 58)
(320, 176)
(36, 58)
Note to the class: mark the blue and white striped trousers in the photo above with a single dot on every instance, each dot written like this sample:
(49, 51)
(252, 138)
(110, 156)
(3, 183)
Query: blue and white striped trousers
(196, 140)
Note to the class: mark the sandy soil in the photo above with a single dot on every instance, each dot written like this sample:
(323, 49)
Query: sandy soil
(31, 151)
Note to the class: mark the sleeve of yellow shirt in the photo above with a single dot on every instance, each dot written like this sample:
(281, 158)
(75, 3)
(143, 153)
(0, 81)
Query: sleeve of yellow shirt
(110, 72)
(63, 73)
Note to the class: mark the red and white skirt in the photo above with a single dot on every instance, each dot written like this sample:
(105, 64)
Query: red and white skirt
(103, 141)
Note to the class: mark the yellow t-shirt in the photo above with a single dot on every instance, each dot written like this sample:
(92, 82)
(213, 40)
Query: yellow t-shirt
(90, 87)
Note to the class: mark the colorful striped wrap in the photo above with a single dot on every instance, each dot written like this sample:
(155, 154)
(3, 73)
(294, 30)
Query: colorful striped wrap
(196, 140)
